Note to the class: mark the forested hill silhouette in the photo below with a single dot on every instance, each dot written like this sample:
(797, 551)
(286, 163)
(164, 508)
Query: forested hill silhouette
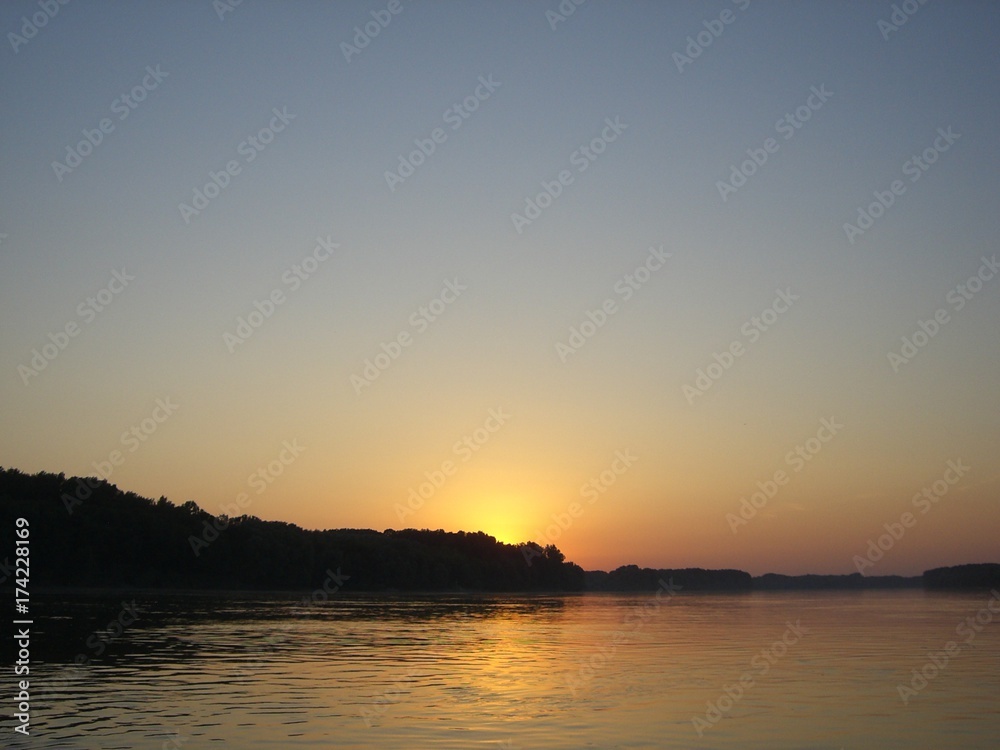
(86, 532)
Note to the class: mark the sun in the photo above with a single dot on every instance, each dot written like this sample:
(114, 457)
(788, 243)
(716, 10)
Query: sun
(494, 506)
(499, 519)
(503, 529)
(505, 536)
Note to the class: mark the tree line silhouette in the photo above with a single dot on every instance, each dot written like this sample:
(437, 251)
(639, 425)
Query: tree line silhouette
(86, 532)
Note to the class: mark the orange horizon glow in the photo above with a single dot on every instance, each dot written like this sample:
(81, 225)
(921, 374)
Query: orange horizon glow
(677, 328)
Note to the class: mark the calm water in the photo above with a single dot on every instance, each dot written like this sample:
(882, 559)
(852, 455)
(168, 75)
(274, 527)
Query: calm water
(601, 671)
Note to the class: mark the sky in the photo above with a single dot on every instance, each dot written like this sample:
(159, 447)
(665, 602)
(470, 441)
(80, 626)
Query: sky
(590, 275)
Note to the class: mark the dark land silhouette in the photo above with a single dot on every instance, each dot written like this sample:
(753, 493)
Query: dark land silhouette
(634, 578)
(775, 582)
(981, 576)
(86, 533)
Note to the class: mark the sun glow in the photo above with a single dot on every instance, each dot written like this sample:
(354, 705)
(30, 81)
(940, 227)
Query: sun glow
(499, 515)
(504, 530)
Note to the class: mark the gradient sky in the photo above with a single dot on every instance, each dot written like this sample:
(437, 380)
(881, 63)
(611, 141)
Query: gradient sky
(495, 346)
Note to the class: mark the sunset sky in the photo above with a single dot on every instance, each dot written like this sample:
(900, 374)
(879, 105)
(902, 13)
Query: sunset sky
(698, 223)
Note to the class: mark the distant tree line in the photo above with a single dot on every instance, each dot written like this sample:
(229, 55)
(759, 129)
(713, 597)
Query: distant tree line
(979, 576)
(86, 532)
(777, 582)
(634, 578)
